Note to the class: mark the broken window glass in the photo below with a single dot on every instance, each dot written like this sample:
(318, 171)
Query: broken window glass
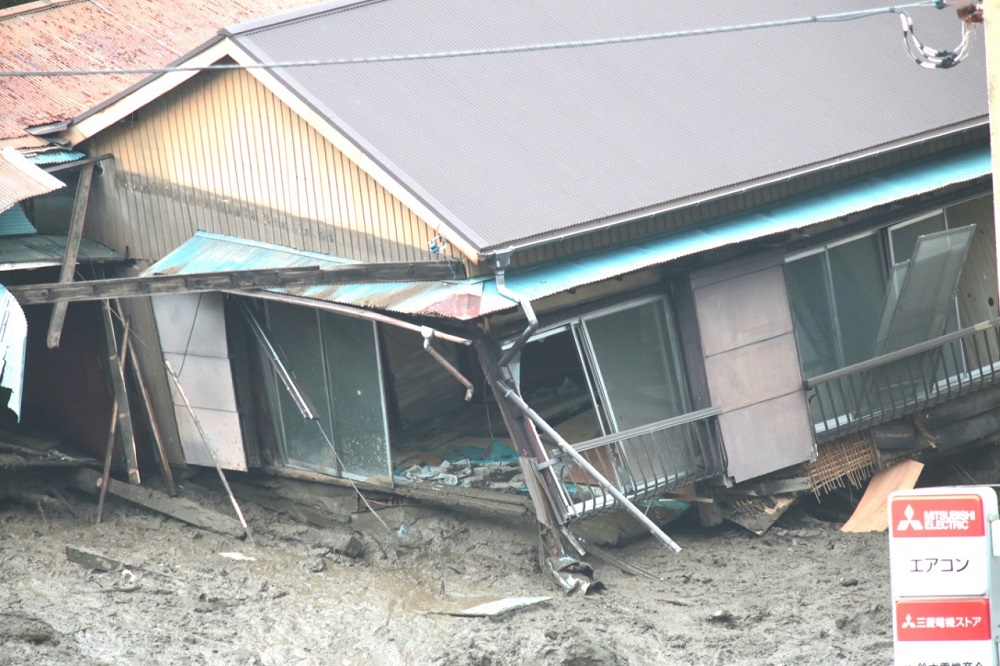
(609, 372)
(334, 361)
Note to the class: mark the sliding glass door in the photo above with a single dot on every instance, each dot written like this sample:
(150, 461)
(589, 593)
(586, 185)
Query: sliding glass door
(334, 361)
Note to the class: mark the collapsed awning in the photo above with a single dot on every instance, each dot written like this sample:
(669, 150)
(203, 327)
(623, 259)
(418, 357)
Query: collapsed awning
(476, 297)
(20, 179)
(42, 250)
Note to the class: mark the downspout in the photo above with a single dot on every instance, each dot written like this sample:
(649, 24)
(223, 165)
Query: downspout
(571, 573)
(502, 258)
(428, 332)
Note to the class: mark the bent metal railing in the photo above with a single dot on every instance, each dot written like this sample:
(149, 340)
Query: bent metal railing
(641, 462)
(888, 387)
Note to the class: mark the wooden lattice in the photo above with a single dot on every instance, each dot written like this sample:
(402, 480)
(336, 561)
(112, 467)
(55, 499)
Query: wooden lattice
(851, 459)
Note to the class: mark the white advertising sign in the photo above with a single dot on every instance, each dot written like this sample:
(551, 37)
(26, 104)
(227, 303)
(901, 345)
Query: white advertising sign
(941, 559)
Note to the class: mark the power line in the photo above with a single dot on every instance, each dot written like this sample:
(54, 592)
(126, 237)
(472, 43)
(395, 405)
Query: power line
(524, 48)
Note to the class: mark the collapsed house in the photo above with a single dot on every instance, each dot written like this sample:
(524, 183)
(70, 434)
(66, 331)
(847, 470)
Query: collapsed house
(598, 276)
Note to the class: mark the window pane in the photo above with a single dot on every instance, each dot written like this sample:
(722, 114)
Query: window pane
(921, 309)
(635, 354)
(295, 331)
(903, 238)
(639, 370)
(359, 427)
(811, 303)
(858, 275)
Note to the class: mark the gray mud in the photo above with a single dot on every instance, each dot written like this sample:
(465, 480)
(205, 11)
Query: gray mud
(802, 594)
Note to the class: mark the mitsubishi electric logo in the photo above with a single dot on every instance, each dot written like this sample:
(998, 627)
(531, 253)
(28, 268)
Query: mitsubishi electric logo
(908, 521)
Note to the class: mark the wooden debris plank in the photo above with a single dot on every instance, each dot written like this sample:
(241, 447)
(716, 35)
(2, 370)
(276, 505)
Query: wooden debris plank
(473, 500)
(115, 367)
(130, 287)
(181, 509)
(91, 559)
(871, 514)
(757, 514)
(779, 486)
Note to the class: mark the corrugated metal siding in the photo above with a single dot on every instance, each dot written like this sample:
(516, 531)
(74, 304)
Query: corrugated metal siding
(518, 145)
(56, 156)
(223, 154)
(38, 250)
(20, 179)
(13, 222)
(108, 34)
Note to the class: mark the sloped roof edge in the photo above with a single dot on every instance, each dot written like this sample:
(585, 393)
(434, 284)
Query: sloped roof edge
(82, 127)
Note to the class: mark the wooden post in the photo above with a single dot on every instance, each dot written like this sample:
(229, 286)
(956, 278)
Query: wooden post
(161, 451)
(525, 439)
(118, 382)
(72, 250)
(112, 430)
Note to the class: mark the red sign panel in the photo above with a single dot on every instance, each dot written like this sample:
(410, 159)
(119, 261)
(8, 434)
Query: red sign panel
(943, 620)
(937, 516)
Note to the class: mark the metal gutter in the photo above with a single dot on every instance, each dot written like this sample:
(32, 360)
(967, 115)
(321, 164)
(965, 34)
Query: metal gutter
(499, 271)
(353, 312)
(705, 197)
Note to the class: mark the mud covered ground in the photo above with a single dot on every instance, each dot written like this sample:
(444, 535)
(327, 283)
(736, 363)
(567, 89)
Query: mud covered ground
(802, 594)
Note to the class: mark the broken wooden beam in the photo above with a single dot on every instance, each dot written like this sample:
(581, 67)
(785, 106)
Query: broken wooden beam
(73, 239)
(151, 285)
(180, 509)
(473, 500)
(92, 560)
(116, 369)
(147, 402)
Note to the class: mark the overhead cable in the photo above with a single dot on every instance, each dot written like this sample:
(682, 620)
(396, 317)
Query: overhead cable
(917, 49)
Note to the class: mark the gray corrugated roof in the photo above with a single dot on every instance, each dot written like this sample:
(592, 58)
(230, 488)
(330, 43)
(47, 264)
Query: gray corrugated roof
(508, 147)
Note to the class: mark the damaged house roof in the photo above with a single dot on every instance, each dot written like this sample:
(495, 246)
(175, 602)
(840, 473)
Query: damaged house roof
(77, 34)
(20, 179)
(543, 144)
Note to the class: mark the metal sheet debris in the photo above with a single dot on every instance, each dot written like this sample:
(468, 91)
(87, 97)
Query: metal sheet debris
(494, 608)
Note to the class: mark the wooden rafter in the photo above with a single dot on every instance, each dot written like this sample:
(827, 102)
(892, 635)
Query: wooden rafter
(249, 279)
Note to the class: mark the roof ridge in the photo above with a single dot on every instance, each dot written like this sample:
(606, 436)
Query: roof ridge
(293, 15)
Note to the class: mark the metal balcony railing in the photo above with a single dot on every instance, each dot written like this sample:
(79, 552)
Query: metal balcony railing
(902, 382)
(642, 462)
